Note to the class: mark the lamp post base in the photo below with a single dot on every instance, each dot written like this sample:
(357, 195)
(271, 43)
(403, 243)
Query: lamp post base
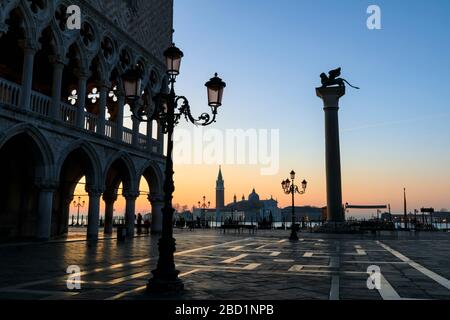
(293, 236)
(165, 276)
(165, 283)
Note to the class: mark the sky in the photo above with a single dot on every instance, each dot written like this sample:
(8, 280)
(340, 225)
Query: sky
(394, 132)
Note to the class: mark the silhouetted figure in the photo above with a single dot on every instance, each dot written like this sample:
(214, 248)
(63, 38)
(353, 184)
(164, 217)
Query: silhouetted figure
(139, 223)
(147, 226)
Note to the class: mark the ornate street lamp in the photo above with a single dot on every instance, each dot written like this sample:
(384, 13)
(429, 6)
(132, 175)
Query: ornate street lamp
(78, 205)
(203, 206)
(169, 108)
(291, 188)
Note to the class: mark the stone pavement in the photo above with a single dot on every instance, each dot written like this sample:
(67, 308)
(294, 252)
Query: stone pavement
(243, 266)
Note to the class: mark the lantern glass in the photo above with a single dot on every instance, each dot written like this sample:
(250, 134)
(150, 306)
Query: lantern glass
(292, 175)
(304, 184)
(288, 183)
(132, 84)
(173, 57)
(215, 91)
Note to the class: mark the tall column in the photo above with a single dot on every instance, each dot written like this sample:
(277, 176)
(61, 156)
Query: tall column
(130, 216)
(45, 208)
(29, 52)
(109, 211)
(330, 97)
(157, 202)
(58, 68)
(120, 105)
(104, 89)
(93, 214)
(81, 92)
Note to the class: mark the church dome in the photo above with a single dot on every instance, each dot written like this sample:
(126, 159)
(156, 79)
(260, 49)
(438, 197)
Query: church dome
(253, 197)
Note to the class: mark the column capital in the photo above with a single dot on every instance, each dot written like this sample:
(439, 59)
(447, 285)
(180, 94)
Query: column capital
(330, 95)
(94, 191)
(82, 74)
(103, 85)
(109, 196)
(46, 184)
(29, 45)
(58, 61)
(155, 198)
(130, 195)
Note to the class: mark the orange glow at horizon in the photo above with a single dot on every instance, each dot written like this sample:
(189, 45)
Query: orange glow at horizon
(360, 186)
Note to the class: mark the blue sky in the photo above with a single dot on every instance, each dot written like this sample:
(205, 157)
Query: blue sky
(394, 131)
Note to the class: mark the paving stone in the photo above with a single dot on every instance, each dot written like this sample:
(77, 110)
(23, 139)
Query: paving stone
(38, 271)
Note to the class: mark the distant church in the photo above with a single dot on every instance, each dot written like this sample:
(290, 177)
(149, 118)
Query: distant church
(252, 209)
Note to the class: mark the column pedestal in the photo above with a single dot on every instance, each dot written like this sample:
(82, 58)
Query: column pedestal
(330, 97)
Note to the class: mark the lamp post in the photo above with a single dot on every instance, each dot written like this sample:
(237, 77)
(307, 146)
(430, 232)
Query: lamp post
(289, 187)
(169, 108)
(78, 205)
(205, 205)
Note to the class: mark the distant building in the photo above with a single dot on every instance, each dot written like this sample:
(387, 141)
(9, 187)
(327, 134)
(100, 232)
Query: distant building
(220, 191)
(252, 209)
(255, 209)
(306, 212)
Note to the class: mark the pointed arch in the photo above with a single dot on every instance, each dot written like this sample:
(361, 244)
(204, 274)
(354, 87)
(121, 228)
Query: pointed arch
(46, 169)
(94, 176)
(127, 175)
(25, 166)
(152, 172)
(29, 23)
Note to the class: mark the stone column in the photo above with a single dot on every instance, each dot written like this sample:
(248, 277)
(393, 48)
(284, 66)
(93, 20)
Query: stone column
(104, 89)
(330, 97)
(45, 208)
(29, 52)
(93, 214)
(130, 216)
(81, 101)
(135, 139)
(157, 202)
(119, 120)
(109, 212)
(58, 68)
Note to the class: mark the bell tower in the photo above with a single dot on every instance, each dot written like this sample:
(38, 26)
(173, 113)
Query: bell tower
(220, 191)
